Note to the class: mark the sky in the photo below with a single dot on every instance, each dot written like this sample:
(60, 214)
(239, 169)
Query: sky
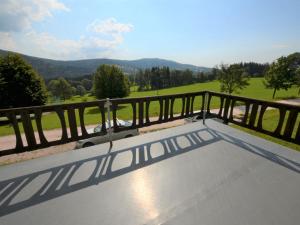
(199, 32)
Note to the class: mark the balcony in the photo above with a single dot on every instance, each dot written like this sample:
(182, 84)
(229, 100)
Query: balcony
(192, 174)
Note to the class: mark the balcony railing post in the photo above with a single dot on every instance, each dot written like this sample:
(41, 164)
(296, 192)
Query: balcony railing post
(205, 104)
(107, 106)
(226, 109)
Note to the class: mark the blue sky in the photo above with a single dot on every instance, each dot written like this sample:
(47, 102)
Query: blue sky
(203, 32)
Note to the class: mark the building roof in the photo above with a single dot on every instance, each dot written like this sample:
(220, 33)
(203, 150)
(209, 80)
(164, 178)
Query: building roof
(192, 174)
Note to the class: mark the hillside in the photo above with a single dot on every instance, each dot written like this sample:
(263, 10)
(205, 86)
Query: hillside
(49, 68)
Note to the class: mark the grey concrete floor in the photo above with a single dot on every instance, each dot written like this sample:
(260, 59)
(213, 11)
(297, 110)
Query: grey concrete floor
(192, 174)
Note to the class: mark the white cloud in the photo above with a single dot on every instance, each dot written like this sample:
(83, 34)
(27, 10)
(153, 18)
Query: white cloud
(7, 41)
(280, 46)
(17, 15)
(46, 45)
(43, 44)
(109, 26)
(101, 38)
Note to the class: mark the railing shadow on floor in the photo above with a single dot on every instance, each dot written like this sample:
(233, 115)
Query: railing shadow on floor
(55, 182)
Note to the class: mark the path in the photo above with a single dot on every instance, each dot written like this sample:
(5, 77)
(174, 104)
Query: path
(295, 101)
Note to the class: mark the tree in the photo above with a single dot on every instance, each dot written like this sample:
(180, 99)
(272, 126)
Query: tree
(232, 78)
(155, 78)
(294, 67)
(20, 85)
(110, 82)
(187, 77)
(279, 75)
(61, 88)
(87, 84)
(141, 80)
(80, 90)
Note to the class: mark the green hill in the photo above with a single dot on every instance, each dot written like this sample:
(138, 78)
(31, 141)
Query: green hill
(49, 68)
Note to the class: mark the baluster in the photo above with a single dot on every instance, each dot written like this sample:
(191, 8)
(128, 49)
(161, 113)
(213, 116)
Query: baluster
(282, 113)
(166, 114)
(253, 115)
(72, 123)
(226, 109)
(297, 137)
(290, 124)
(171, 109)
(208, 102)
(133, 105)
(203, 101)
(28, 129)
(221, 107)
(38, 119)
(187, 106)
(192, 105)
(81, 120)
(14, 122)
(183, 105)
(160, 110)
(261, 115)
(231, 110)
(114, 112)
(103, 117)
(61, 116)
(141, 112)
(244, 122)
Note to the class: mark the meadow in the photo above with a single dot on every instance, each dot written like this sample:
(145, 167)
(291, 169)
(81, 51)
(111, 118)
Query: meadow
(255, 90)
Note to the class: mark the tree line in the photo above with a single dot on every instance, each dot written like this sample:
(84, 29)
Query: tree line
(163, 77)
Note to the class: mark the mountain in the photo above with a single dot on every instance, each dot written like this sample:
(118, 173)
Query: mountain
(49, 68)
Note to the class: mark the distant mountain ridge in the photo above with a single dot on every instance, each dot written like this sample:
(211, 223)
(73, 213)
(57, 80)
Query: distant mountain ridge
(49, 68)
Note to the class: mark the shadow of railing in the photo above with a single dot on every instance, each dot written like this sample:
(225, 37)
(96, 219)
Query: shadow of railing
(58, 181)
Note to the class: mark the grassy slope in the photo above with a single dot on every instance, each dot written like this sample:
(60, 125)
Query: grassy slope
(256, 89)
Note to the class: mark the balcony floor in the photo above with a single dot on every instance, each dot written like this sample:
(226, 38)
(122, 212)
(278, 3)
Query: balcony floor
(192, 174)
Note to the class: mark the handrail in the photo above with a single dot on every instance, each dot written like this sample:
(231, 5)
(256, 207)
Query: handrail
(252, 118)
(70, 122)
(287, 128)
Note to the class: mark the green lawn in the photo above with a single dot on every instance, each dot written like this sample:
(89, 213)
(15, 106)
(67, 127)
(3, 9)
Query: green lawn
(256, 90)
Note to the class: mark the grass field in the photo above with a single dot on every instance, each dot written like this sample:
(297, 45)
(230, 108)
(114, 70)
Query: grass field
(256, 90)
